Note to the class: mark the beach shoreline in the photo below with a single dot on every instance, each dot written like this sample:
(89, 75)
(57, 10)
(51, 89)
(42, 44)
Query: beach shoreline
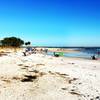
(44, 77)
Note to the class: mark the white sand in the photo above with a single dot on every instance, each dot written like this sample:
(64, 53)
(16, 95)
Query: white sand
(58, 78)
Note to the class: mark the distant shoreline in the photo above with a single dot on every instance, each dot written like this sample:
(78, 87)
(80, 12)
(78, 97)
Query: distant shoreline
(61, 47)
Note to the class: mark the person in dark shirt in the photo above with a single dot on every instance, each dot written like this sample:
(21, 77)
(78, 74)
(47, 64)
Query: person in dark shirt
(93, 57)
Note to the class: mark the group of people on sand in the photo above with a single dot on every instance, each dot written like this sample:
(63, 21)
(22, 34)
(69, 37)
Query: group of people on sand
(30, 50)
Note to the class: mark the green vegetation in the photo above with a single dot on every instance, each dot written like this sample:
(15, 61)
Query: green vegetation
(27, 43)
(12, 42)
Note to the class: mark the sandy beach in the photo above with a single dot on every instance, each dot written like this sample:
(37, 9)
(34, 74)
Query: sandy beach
(43, 77)
(49, 49)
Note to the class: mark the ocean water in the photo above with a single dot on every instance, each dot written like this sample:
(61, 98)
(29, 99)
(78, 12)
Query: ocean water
(83, 52)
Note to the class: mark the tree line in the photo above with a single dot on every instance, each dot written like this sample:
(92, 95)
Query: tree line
(13, 42)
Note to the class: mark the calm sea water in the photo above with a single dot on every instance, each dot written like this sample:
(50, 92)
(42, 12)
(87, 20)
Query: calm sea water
(83, 52)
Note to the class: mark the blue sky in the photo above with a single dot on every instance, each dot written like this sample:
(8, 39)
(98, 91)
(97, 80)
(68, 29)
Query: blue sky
(52, 22)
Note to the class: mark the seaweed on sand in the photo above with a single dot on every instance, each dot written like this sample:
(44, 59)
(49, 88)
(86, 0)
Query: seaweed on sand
(75, 93)
(29, 78)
